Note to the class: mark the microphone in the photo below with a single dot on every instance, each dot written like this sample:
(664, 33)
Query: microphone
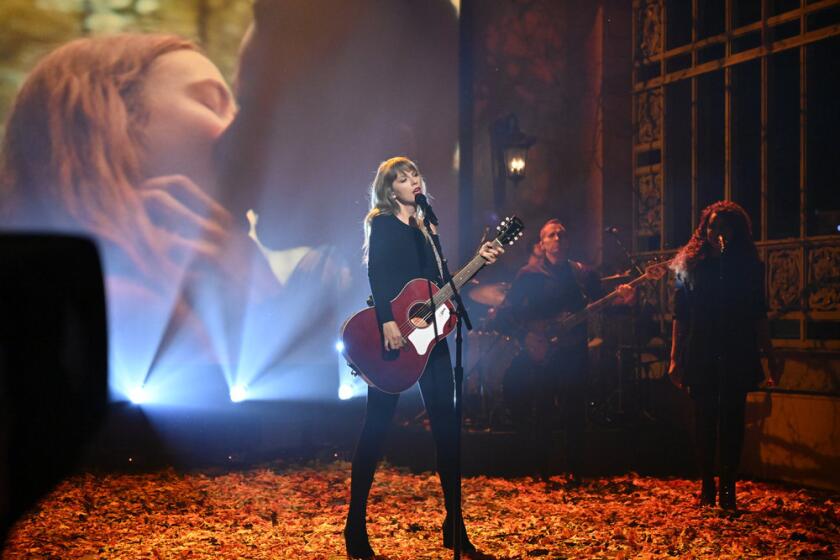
(611, 230)
(421, 201)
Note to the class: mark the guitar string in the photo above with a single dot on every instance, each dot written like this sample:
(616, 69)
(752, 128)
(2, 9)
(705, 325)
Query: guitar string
(429, 311)
(428, 307)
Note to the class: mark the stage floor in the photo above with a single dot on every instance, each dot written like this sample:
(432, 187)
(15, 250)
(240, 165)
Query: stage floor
(297, 512)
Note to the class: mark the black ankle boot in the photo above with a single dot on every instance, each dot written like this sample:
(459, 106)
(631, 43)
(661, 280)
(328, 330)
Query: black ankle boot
(466, 545)
(708, 492)
(727, 491)
(356, 542)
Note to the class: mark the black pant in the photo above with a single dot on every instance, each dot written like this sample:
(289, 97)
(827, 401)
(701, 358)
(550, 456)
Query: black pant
(719, 418)
(538, 395)
(437, 388)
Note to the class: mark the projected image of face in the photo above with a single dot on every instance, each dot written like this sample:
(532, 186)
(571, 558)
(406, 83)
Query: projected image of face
(151, 156)
(127, 156)
(188, 107)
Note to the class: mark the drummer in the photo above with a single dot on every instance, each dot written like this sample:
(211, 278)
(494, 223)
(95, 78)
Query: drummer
(550, 372)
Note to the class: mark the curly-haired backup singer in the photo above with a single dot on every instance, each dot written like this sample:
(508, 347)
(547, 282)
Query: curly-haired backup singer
(720, 330)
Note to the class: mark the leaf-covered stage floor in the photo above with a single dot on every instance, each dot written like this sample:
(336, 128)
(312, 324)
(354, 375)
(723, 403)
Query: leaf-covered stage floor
(298, 513)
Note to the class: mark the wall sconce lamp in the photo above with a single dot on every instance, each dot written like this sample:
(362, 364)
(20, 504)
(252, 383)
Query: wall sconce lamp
(509, 154)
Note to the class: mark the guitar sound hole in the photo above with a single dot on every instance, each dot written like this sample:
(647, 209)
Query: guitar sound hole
(420, 314)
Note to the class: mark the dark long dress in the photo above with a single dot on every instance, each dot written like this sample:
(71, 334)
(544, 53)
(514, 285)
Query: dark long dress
(719, 303)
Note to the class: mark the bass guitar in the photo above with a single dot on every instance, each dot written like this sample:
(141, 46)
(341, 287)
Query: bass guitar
(545, 335)
(394, 371)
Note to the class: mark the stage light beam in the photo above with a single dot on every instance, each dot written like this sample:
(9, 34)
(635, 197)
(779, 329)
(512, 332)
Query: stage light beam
(238, 393)
(345, 392)
(339, 346)
(138, 395)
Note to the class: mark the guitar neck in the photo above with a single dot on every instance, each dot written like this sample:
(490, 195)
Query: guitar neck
(461, 277)
(596, 306)
(604, 301)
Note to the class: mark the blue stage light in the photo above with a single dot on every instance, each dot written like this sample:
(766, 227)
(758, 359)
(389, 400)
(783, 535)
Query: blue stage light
(138, 395)
(339, 346)
(345, 392)
(238, 393)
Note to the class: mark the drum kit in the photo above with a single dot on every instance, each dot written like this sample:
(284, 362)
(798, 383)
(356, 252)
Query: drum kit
(490, 353)
(488, 356)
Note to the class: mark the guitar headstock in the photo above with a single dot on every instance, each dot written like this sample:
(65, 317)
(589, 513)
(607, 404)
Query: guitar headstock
(509, 230)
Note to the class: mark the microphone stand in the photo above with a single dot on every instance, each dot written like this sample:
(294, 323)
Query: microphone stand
(614, 233)
(462, 316)
(634, 331)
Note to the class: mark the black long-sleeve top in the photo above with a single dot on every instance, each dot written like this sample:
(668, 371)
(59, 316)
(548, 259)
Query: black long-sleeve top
(397, 253)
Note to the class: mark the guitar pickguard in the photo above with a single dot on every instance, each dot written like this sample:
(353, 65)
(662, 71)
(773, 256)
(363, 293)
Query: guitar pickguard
(422, 338)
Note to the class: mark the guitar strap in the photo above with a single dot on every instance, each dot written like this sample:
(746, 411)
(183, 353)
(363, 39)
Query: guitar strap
(438, 261)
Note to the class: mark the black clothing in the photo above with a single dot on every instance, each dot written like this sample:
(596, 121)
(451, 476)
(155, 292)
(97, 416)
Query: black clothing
(719, 304)
(436, 387)
(536, 391)
(719, 418)
(399, 253)
(543, 291)
(542, 395)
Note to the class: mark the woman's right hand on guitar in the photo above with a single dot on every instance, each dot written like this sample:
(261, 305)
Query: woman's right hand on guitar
(393, 337)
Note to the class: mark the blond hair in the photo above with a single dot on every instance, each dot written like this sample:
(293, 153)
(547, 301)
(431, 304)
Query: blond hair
(382, 199)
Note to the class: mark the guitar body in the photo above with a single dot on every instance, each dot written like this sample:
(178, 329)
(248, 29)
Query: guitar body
(544, 337)
(395, 371)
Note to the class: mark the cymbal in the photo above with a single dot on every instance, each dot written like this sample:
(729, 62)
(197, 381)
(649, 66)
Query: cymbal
(489, 294)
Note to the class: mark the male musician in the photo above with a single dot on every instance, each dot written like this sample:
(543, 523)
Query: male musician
(552, 367)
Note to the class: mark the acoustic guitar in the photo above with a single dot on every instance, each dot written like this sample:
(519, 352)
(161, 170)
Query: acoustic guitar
(425, 315)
